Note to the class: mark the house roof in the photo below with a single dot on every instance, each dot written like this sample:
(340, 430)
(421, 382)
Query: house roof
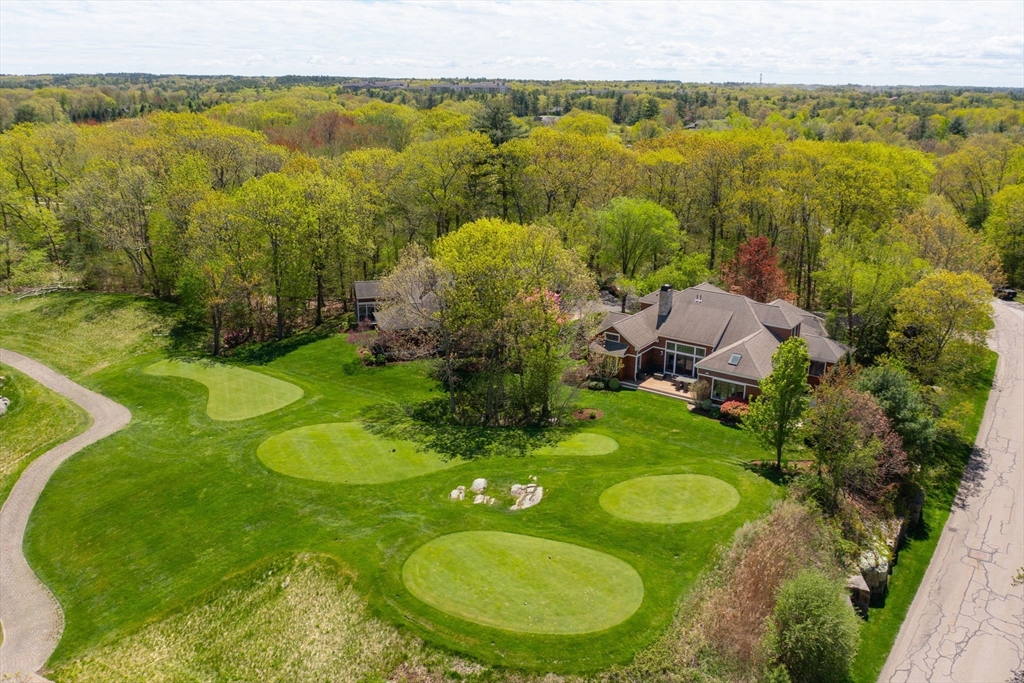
(367, 289)
(728, 324)
(609, 348)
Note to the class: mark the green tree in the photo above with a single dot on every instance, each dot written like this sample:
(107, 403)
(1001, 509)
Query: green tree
(815, 632)
(940, 322)
(775, 414)
(496, 120)
(636, 234)
(900, 398)
(1005, 229)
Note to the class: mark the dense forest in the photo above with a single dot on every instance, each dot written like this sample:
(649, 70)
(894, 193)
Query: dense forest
(257, 202)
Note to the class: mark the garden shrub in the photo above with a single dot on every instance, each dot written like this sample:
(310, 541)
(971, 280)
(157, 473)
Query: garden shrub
(815, 632)
(735, 410)
(613, 384)
(706, 405)
(596, 385)
(701, 390)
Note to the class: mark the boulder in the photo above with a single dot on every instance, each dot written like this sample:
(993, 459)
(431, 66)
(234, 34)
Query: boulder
(458, 493)
(478, 485)
(528, 497)
(860, 593)
(875, 570)
(516, 488)
(4, 402)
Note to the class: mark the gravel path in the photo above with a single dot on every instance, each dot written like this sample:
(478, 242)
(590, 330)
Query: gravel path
(31, 617)
(967, 620)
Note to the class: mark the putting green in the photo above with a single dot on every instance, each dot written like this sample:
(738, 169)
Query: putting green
(523, 583)
(345, 453)
(234, 393)
(583, 443)
(670, 499)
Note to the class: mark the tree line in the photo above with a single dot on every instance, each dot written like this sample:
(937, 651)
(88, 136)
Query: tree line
(268, 237)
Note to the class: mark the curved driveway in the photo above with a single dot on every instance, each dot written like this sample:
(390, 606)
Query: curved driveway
(31, 617)
(967, 620)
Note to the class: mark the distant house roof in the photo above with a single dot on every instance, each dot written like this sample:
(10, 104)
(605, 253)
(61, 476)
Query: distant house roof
(367, 289)
(741, 333)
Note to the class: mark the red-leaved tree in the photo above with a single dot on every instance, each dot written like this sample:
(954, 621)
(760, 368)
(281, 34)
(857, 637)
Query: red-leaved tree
(755, 272)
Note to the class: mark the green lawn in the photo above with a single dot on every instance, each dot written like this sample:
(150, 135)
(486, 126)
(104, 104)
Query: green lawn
(879, 633)
(583, 443)
(670, 499)
(234, 393)
(169, 507)
(523, 583)
(345, 453)
(36, 421)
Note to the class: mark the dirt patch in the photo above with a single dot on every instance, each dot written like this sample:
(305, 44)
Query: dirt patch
(588, 414)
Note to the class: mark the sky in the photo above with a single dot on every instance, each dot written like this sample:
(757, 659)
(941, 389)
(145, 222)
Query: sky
(870, 43)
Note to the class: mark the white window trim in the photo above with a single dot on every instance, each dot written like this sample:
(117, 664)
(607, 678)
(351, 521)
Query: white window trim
(725, 381)
(608, 337)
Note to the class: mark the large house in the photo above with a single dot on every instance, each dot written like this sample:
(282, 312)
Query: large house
(706, 333)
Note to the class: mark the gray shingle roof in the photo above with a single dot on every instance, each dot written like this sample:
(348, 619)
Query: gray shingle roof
(728, 323)
(367, 289)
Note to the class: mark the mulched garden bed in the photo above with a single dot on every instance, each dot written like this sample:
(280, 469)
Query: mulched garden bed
(585, 414)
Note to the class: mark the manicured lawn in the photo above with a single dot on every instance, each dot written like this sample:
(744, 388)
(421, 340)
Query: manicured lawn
(345, 453)
(583, 443)
(879, 633)
(523, 583)
(36, 421)
(234, 393)
(670, 499)
(175, 503)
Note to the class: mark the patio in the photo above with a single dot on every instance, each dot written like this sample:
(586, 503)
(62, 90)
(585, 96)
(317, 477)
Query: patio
(669, 387)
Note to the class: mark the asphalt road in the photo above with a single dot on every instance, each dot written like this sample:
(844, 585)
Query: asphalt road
(31, 617)
(966, 623)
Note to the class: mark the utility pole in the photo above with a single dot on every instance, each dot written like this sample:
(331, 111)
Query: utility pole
(760, 79)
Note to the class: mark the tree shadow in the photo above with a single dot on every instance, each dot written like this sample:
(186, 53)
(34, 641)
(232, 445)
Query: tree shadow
(973, 478)
(430, 426)
(772, 473)
(262, 353)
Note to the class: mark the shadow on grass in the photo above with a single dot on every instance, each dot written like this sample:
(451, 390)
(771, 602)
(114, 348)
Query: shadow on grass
(772, 473)
(189, 343)
(430, 426)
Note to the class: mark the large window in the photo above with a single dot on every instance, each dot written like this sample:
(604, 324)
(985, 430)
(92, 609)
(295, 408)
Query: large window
(611, 336)
(723, 391)
(817, 369)
(681, 358)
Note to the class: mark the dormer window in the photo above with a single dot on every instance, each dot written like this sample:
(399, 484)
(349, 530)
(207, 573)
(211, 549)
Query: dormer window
(734, 359)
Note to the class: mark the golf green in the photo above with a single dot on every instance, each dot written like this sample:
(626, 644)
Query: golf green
(345, 453)
(523, 583)
(584, 443)
(234, 393)
(670, 499)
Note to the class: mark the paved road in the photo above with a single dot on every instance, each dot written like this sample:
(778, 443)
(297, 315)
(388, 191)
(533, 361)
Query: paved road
(967, 620)
(31, 617)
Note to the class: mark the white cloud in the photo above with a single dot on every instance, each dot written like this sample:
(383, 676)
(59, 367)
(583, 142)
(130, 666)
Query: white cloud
(793, 42)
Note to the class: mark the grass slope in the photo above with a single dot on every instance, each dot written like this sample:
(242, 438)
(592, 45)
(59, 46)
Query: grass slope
(289, 619)
(670, 499)
(36, 421)
(345, 453)
(170, 506)
(879, 633)
(523, 583)
(234, 393)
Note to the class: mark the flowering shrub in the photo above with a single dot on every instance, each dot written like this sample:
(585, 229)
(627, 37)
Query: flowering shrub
(735, 410)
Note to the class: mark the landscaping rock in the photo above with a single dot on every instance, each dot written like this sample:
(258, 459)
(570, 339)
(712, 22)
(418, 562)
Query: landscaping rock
(875, 570)
(4, 402)
(528, 496)
(478, 485)
(481, 499)
(860, 594)
(516, 488)
(459, 493)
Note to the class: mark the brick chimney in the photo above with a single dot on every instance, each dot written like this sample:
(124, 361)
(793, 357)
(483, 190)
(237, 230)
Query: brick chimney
(665, 301)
